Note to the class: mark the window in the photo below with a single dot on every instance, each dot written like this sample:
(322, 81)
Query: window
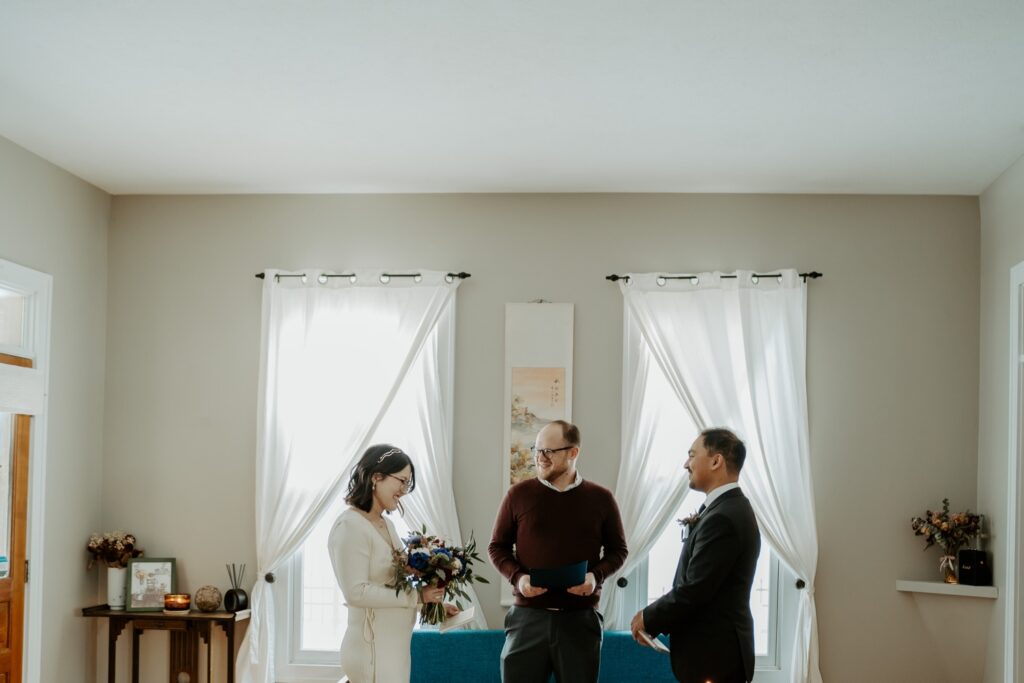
(13, 315)
(307, 598)
(12, 318)
(773, 596)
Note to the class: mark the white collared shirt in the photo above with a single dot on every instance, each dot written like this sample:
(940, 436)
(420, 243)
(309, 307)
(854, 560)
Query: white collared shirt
(717, 493)
(574, 484)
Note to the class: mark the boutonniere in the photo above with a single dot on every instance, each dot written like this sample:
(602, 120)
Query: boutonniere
(687, 523)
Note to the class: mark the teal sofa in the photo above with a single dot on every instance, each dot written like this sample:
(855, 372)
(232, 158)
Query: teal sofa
(474, 657)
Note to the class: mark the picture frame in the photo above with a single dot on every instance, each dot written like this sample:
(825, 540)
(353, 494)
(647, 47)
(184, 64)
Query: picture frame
(149, 579)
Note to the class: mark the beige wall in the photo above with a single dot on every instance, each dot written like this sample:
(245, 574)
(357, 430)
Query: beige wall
(55, 223)
(893, 365)
(1002, 247)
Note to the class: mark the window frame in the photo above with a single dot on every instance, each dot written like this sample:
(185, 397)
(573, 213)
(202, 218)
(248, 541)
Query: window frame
(295, 665)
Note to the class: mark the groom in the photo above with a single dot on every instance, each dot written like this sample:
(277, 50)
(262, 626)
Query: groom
(707, 612)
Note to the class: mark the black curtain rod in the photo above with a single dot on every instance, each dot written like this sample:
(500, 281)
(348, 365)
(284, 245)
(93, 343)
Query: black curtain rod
(461, 276)
(813, 275)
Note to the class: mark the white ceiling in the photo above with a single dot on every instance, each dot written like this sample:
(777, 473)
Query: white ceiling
(808, 96)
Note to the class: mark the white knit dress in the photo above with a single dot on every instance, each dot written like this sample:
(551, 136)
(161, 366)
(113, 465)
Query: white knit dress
(376, 646)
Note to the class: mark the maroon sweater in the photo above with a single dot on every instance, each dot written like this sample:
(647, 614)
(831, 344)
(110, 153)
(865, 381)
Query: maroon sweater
(549, 529)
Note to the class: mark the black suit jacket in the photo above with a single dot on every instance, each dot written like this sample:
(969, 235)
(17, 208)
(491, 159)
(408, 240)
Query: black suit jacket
(707, 612)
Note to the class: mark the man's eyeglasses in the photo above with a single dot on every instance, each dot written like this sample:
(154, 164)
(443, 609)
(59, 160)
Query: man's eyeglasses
(547, 452)
(406, 483)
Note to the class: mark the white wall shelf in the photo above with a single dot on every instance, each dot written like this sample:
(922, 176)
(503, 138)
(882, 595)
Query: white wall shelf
(941, 588)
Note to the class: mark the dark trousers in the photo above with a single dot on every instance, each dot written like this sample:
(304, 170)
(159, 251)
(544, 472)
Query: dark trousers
(539, 642)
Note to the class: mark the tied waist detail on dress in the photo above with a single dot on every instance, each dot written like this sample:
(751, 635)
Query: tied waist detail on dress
(370, 637)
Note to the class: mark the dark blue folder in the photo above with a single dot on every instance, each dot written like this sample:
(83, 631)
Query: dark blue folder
(566, 576)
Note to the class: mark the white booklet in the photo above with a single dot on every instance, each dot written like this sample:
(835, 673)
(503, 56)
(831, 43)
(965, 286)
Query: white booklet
(460, 619)
(653, 642)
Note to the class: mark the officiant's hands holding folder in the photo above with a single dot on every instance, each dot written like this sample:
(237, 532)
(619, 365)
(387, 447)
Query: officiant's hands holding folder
(528, 590)
(588, 586)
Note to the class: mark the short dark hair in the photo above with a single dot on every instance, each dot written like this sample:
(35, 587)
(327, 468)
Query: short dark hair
(382, 458)
(721, 440)
(570, 432)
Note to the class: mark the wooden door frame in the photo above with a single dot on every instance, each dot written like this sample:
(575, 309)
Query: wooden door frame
(18, 551)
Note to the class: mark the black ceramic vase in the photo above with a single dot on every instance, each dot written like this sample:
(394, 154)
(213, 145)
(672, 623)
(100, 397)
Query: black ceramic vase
(236, 600)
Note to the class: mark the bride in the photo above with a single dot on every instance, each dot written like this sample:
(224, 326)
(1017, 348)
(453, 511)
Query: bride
(376, 646)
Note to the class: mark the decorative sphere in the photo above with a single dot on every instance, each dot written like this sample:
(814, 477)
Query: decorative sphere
(207, 599)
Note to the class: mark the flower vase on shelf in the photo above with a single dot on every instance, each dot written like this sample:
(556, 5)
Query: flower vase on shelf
(949, 531)
(947, 565)
(116, 584)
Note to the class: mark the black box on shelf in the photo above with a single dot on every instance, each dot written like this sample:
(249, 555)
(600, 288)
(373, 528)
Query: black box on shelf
(975, 569)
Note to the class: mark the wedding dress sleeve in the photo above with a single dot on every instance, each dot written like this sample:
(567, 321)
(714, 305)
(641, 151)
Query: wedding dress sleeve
(350, 546)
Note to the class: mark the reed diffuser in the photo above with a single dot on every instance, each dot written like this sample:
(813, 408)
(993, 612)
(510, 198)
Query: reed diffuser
(236, 599)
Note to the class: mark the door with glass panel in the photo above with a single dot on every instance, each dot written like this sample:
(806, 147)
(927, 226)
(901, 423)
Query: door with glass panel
(14, 441)
(16, 361)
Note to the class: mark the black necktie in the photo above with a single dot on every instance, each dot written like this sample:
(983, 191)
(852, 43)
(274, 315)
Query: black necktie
(700, 510)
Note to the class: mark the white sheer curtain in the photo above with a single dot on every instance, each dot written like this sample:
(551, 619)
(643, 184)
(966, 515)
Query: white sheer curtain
(334, 354)
(427, 394)
(649, 487)
(734, 353)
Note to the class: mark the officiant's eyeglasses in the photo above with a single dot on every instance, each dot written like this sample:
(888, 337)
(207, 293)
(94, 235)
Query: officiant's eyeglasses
(548, 452)
(406, 483)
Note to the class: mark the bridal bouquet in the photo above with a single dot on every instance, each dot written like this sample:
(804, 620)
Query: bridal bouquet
(430, 561)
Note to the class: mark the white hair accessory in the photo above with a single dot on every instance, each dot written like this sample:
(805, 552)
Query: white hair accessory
(391, 452)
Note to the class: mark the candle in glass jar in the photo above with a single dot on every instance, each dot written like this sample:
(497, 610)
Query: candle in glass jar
(177, 602)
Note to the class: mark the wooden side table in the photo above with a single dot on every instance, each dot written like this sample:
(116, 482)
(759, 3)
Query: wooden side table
(185, 630)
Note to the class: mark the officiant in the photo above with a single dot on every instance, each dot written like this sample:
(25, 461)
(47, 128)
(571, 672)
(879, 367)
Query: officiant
(554, 521)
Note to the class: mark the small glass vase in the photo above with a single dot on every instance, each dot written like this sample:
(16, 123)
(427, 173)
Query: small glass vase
(947, 565)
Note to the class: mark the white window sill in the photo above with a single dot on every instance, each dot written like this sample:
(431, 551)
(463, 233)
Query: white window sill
(940, 588)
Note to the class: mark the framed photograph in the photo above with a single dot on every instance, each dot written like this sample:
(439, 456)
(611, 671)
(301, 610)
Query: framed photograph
(149, 578)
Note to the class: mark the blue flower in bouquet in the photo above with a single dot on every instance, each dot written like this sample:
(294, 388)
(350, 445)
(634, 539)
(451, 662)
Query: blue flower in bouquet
(419, 559)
